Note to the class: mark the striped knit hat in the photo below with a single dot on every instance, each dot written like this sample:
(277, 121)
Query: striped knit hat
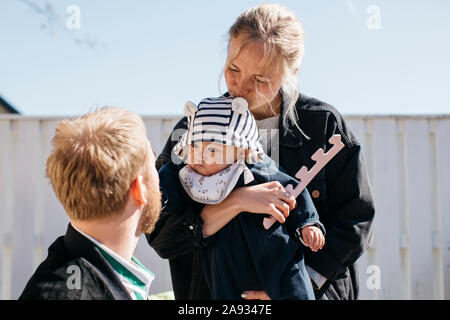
(222, 120)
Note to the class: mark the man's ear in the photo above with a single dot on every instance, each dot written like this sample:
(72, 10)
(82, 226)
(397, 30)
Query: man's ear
(138, 190)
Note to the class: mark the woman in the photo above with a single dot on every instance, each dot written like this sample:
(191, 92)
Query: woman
(264, 55)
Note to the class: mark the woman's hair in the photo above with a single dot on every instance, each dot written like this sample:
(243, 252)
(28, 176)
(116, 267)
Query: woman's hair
(281, 33)
(94, 160)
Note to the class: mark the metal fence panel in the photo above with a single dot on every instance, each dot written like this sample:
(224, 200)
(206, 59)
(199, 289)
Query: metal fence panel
(407, 161)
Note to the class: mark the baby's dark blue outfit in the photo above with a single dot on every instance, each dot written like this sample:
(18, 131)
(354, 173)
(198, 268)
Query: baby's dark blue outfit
(243, 255)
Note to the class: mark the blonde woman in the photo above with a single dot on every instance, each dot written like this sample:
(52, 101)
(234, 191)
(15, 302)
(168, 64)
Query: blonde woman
(265, 50)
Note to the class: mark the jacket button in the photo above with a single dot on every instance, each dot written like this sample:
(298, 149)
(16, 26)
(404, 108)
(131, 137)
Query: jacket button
(315, 194)
(191, 227)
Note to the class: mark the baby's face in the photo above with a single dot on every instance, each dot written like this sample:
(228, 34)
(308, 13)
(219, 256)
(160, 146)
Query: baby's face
(208, 158)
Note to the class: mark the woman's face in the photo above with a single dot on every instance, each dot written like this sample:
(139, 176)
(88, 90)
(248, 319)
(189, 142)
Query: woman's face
(246, 77)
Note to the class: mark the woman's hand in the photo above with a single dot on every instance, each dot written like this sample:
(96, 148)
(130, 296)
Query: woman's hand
(265, 198)
(255, 295)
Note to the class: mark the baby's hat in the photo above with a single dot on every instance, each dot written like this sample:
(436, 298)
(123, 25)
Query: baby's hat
(224, 120)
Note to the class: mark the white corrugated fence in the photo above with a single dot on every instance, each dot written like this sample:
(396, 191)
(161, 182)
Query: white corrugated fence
(408, 161)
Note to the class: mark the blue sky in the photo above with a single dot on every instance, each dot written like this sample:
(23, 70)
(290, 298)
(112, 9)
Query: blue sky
(152, 56)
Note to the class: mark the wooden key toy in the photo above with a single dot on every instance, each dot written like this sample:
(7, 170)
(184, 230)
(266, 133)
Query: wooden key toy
(305, 176)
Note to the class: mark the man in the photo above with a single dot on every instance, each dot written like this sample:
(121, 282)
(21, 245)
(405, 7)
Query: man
(102, 169)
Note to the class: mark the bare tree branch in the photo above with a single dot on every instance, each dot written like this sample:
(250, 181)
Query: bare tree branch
(54, 24)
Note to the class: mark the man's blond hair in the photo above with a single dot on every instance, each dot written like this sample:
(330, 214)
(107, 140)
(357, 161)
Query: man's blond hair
(94, 160)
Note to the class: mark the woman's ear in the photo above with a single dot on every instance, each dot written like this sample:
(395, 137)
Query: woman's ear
(138, 190)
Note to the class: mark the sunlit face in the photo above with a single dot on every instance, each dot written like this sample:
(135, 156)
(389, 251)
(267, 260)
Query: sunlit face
(246, 76)
(151, 211)
(208, 158)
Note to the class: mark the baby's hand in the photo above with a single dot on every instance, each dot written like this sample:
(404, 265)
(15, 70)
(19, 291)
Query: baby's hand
(313, 237)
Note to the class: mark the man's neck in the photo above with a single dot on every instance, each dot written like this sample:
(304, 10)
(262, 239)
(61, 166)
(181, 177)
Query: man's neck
(118, 233)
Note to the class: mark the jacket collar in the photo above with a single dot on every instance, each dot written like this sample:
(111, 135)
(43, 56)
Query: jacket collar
(81, 247)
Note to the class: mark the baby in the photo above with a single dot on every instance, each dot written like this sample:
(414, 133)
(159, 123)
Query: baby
(222, 150)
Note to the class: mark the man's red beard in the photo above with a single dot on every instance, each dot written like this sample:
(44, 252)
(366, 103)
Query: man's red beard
(151, 211)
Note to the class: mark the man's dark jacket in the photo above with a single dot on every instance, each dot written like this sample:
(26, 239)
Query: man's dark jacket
(340, 191)
(69, 257)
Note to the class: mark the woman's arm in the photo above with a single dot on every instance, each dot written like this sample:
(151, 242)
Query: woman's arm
(177, 233)
(266, 198)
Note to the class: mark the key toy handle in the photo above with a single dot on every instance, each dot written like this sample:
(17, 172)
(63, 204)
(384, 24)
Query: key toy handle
(305, 176)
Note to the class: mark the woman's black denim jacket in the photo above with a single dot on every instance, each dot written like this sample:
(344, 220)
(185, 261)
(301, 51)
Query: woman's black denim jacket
(340, 191)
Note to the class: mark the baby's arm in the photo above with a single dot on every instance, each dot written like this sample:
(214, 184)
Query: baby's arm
(179, 227)
(312, 237)
(303, 221)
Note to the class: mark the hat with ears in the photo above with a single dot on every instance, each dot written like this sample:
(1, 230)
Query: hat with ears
(224, 120)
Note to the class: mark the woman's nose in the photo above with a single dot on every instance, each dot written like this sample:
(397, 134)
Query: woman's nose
(243, 88)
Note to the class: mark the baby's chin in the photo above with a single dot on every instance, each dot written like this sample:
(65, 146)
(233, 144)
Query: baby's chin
(205, 170)
(201, 169)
